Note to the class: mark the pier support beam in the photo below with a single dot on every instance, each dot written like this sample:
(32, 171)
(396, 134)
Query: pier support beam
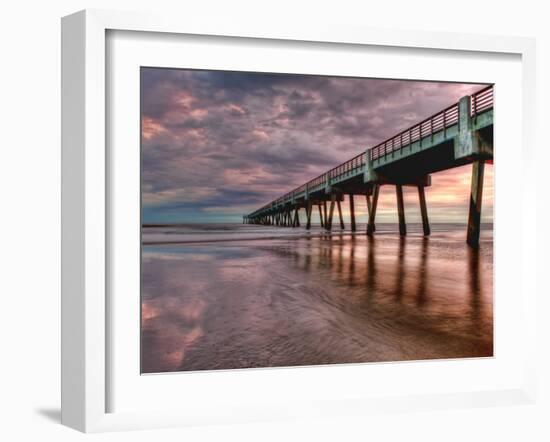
(321, 220)
(401, 209)
(328, 222)
(369, 210)
(340, 214)
(296, 222)
(474, 217)
(372, 211)
(309, 209)
(352, 212)
(424, 211)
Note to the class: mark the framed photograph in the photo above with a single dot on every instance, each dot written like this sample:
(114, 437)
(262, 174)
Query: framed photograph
(263, 223)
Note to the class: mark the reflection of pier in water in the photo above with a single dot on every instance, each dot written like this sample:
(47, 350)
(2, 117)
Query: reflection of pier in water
(398, 280)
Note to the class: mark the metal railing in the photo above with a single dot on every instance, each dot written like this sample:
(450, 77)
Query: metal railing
(349, 166)
(481, 101)
(438, 122)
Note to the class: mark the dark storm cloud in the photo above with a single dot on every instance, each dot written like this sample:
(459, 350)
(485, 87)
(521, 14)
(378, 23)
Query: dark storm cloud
(231, 141)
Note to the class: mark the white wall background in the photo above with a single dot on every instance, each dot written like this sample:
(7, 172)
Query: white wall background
(30, 217)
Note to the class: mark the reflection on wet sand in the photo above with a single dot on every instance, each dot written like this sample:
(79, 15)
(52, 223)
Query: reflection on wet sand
(315, 300)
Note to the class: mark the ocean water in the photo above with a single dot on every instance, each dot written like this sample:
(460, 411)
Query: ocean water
(238, 296)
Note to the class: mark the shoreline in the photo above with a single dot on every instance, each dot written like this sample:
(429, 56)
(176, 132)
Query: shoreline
(303, 234)
(333, 300)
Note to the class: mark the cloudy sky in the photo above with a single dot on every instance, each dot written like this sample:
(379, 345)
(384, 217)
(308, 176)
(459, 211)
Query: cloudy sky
(217, 145)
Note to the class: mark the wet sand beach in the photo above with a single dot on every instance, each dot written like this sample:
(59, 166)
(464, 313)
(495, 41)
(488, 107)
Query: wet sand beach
(248, 297)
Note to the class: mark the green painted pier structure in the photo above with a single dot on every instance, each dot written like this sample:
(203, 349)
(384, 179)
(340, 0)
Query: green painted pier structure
(458, 135)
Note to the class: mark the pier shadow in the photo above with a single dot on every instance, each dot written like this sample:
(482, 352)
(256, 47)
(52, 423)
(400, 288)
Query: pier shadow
(476, 288)
(351, 274)
(400, 271)
(371, 270)
(421, 296)
(397, 273)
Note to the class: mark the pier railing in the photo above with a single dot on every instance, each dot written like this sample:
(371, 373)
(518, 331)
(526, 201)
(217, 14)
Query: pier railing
(348, 166)
(482, 100)
(438, 122)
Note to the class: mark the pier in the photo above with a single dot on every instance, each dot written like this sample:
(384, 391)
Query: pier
(458, 135)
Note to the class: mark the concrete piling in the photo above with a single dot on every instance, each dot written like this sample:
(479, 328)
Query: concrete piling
(423, 210)
(340, 214)
(476, 195)
(352, 212)
(372, 211)
(401, 210)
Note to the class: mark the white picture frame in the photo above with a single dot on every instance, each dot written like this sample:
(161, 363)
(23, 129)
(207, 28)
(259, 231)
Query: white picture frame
(85, 206)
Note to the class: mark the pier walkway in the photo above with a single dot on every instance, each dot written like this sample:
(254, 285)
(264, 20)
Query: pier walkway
(458, 135)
